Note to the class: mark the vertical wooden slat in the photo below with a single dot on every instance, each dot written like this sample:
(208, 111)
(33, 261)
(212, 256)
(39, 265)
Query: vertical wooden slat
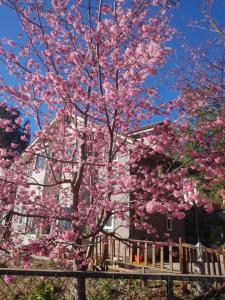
(131, 253)
(118, 249)
(171, 257)
(182, 257)
(145, 253)
(207, 263)
(218, 263)
(161, 257)
(96, 250)
(125, 252)
(190, 259)
(112, 247)
(187, 258)
(100, 247)
(138, 253)
(213, 265)
(153, 255)
(92, 252)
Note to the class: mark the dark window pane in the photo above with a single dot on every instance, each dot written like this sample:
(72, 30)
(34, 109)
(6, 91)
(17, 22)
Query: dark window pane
(40, 162)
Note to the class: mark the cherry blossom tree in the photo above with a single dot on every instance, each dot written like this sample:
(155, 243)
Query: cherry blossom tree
(83, 73)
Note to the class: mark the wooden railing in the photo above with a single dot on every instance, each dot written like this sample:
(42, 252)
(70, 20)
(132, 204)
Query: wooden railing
(168, 257)
(213, 260)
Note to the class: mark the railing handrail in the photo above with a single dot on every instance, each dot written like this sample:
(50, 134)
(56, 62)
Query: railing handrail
(205, 248)
(146, 241)
(218, 250)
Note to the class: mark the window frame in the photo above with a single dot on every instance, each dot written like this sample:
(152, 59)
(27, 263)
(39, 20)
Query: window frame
(116, 157)
(42, 166)
(169, 224)
(110, 227)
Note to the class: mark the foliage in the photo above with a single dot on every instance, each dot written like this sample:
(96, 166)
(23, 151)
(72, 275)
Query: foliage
(44, 291)
(106, 292)
(124, 289)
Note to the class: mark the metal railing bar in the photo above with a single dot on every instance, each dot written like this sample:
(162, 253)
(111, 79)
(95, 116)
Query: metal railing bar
(114, 275)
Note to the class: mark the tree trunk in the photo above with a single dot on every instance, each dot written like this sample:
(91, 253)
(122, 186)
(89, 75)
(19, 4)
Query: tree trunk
(79, 292)
(79, 289)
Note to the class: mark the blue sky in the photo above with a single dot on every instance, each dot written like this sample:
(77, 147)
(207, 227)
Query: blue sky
(187, 10)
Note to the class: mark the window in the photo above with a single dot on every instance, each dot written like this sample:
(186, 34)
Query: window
(30, 224)
(40, 162)
(22, 219)
(89, 150)
(70, 151)
(30, 169)
(169, 224)
(29, 221)
(46, 229)
(115, 157)
(64, 224)
(110, 223)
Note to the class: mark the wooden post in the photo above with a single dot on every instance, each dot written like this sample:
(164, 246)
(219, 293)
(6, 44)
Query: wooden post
(95, 250)
(153, 255)
(145, 253)
(181, 257)
(131, 253)
(100, 247)
(118, 250)
(105, 250)
(125, 252)
(171, 257)
(183, 266)
(207, 263)
(191, 261)
(219, 264)
(138, 253)
(161, 257)
(213, 263)
(113, 248)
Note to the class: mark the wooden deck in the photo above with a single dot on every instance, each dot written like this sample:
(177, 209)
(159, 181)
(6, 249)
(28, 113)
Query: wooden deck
(149, 256)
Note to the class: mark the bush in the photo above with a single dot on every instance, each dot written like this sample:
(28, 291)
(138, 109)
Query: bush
(44, 291)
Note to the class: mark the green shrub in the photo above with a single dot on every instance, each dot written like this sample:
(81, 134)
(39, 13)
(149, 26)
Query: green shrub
(105, 291)
(45, 290)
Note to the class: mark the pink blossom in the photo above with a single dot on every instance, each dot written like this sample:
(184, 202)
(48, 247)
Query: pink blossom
(176, 194)
(24, 138)
(9, 278)
(11, 43)
(18, 121)
(69, 236)
(8, 129)
(13, 145)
